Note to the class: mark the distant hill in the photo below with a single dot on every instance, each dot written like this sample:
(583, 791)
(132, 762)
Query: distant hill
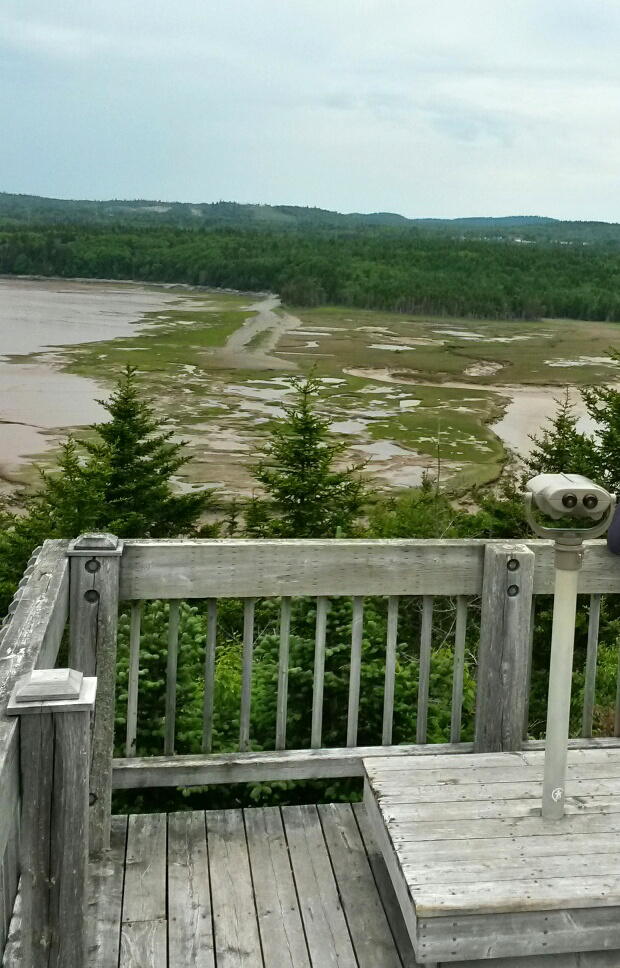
(34, 209)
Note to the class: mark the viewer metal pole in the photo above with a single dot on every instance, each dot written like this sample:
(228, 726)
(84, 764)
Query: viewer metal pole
(567, 563)
(568, 557)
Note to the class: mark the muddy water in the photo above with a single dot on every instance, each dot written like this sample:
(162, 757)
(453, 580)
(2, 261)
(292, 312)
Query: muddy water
(35, 317)
(528, 409)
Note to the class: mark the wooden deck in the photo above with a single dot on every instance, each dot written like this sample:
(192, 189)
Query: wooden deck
(264, 888)
(480, 875)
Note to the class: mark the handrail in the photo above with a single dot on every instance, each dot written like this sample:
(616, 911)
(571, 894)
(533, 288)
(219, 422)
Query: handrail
(29, 639)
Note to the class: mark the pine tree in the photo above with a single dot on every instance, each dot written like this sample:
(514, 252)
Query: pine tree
(139, 459)
(122, 484)
(562, 448)
(306, 495)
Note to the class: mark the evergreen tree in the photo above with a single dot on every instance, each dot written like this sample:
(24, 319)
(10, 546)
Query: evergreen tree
(138, 459)
(307, 496)
(562, 448)
(122, 484)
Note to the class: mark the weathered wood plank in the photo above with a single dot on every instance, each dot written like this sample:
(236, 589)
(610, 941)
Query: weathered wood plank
(171, 676)
(601, 959)
(591, 657)
(210, 647)
(190, 934)
(506, 609)
(502, 850)
(133, 679)
(191, 770)
(319, 672)
(385, 889)
(459, 668)
(477, 792)
(470, 869)
(236, 568)
(143, 945)
(237, 941)
(366, 920)
(95, 569)
(426, 633)
(390, 670)
(246, 673)
(393, 864)
(283, 662)
(357, 626)
(106, 900)
(539, 935)
(30, 640)
(528, 671)
(69, 839)
(145, 868)
(37, 737)
(548, 894)
(277, 908)
(327, 934)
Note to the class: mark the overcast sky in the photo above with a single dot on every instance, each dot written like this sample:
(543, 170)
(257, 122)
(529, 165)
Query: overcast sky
(424, 107)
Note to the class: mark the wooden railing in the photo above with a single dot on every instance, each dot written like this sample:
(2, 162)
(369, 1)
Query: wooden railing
(499, 581)
(30, 639)
(493, 589)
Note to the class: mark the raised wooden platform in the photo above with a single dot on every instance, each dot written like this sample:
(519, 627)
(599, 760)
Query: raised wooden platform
(480, 875)
(263, 888)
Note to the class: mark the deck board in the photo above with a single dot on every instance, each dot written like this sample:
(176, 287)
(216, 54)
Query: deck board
(257, 888)
(498, 880)
(190, 928)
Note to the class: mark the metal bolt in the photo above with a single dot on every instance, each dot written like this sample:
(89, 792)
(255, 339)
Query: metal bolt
(512, 590)
(513, 564)
(92, 565)
(91, 596)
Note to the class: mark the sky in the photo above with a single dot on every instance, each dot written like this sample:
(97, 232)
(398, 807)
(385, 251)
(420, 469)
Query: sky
(429, 108)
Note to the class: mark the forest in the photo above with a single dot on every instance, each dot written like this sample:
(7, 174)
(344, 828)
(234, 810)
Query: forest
(367, 267)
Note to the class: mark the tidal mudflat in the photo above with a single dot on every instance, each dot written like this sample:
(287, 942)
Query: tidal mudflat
(406, 393)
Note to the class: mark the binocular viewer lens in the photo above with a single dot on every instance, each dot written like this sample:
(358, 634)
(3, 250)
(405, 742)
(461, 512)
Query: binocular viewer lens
(589, 501)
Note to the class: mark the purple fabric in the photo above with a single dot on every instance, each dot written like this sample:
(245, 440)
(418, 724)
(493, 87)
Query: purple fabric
(613, 534)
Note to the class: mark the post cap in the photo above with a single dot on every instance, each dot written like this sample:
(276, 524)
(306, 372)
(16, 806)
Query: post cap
(49, 684)
(96, 544)
(52, 691)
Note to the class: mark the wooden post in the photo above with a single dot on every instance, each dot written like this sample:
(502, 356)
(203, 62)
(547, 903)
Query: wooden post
(93, 620)
(55, 707)
(507, 588)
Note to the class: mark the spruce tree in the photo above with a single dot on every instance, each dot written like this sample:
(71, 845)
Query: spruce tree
(139, 458)
(118, 481)
(307, 496)
(562, 448)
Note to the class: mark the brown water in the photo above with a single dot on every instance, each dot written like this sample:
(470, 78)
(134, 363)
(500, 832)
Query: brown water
(38, 317)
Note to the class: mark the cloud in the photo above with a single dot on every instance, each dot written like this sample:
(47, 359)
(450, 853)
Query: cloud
(351, 105)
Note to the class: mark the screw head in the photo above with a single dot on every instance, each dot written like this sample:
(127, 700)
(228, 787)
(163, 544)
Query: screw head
(91, 596)
(512, 590)
(513, 564)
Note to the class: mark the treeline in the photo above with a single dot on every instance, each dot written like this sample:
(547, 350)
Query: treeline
(382, 269)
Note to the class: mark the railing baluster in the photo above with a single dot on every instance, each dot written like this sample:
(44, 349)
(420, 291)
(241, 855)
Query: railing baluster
(207, 711)
(319, 672)
(617, 716)
(528, 671)
(425, 667)
(356, 668)
(285, 634)
(591, 657)
(459, 669)
(171, 676)
(132, 685)
(390, 670)
(246, 673)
